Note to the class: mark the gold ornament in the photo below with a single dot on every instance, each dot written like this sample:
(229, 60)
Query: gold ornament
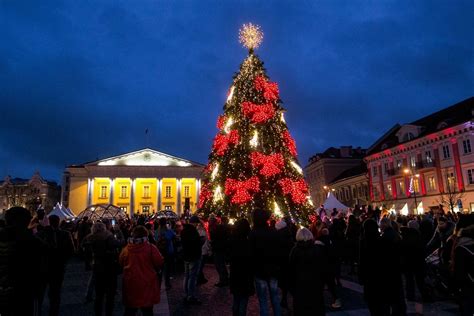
(250, 36)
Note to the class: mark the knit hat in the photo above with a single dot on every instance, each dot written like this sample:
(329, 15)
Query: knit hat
(280, 224)
(194, 220)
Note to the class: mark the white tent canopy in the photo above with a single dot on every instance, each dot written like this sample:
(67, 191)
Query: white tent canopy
(58, 211)
(333, 203)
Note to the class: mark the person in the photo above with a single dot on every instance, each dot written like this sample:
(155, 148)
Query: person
(307, 266)
(59, 248)
(352, 236)
(206, 253)
(463, 269)
(140, 261)
(105, 267)
(241, 274)
(440, 237)
(219, 243)
(414, 260)
(264, 251)
(21, 264)
(390, 253)
(337, 231)
(164, 241)
(192, 247)
(324, 242)
(370, 269)
(285, 241)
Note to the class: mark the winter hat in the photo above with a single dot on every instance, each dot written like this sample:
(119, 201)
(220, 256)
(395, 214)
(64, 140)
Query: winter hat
(280, 224)
(194, 220)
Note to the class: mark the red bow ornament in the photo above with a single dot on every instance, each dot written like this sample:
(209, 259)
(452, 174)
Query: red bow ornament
(269, 165)
(258, 113)
(241, 190)
(204, 195)
(290, 143)
(270, 89)
(223, 141)
(298, 190)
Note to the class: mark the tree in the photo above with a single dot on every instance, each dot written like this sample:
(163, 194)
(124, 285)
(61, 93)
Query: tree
(253, 162)
(450, 198)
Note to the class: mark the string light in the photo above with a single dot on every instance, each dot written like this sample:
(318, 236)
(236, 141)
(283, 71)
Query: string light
(282, 117)
(297, 167)
(276, 210)
(228, 124)
(217, 194)
(254, 140)
(310, 200)
(214, 171)
(250, 36)
(231, 94)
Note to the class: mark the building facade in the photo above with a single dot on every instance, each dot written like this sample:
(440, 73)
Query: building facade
(31, 193)
(324, 167)
(144, 181)
(420, 165)
(351, 187)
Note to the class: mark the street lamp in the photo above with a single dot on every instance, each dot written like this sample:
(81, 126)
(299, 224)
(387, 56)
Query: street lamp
(410, 172)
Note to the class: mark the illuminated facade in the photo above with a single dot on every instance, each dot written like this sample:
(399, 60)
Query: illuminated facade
(144, 181)
(414, 167)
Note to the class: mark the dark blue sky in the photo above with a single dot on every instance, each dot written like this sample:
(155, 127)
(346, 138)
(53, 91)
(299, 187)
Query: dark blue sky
(84, 79)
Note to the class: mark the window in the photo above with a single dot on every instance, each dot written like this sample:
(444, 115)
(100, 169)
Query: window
(385, 166)
(470, 176)
(399, 163)
(446, 153)
(374, 171)
(146, 191)
(389, 190)
(429, 159)
(186, 191)
(146, 208)
(401, 187)
(451, 180)
(354, 192)
(416, 185)
(431, 183)
(413, 161)
(466, 144)
(168, 191)
(103, 192)
(123, 192)
(123, 208)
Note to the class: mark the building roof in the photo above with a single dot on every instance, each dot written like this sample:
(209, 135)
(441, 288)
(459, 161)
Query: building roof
(143, 157)
(345, 152)
(352, 172)
(22, 181)
(451, 116)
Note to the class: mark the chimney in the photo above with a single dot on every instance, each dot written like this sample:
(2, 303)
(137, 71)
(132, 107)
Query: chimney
(346, 151)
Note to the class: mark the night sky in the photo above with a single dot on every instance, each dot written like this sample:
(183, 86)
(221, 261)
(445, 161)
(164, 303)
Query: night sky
(81, 80)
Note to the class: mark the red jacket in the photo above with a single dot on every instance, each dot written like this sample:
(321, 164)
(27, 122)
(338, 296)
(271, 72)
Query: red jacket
(141, 287)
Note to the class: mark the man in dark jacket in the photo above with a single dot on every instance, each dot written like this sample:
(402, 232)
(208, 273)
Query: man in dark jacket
(220, 244)
(264, 249)
(59, 247)
(21, 264)
(192, 252)
(463, 269)
(390, 253)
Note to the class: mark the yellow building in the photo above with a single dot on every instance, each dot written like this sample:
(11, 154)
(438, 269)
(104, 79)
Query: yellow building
(143, 181)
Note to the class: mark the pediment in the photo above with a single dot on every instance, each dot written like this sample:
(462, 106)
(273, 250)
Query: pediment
(145, 157)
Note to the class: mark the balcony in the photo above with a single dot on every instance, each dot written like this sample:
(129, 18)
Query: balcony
(419, 165)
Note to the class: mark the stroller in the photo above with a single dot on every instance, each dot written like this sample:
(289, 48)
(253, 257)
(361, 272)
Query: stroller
(437, 279)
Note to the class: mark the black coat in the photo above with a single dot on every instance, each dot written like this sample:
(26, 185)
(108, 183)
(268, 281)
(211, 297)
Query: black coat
(220, 238)
(59, 248)
(265, 252)
(191, 243)
(307, 266)
(412, 249)
(241, 270)
(21, 267)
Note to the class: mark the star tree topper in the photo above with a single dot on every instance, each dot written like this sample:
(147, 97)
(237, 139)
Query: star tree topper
(251, 36)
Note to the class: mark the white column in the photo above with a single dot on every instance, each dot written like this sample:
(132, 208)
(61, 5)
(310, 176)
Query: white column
(158, 186)
(111, 195)
(198, 190)
(178, 196)
(132, 198)
(90, 190)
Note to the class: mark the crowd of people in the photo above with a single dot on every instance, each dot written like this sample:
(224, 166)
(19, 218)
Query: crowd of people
(286, 265)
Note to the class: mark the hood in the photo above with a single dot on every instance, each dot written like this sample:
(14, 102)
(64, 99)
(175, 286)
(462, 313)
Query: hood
(136, 248)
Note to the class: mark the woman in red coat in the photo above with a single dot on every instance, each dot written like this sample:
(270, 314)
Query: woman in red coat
(140, 261)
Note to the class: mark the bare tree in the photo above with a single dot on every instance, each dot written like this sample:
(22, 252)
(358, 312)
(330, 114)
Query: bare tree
(450, 198)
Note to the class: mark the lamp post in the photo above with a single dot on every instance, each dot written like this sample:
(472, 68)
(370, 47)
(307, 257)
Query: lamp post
(410, 172)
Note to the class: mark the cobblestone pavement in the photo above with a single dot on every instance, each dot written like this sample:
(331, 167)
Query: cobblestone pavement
(217, 301)
(73, 294)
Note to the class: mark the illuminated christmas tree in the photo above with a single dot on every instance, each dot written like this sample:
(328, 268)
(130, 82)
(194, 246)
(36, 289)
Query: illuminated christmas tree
(253, 162)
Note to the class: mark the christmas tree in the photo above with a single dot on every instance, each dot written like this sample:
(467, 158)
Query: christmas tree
(253, 162)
